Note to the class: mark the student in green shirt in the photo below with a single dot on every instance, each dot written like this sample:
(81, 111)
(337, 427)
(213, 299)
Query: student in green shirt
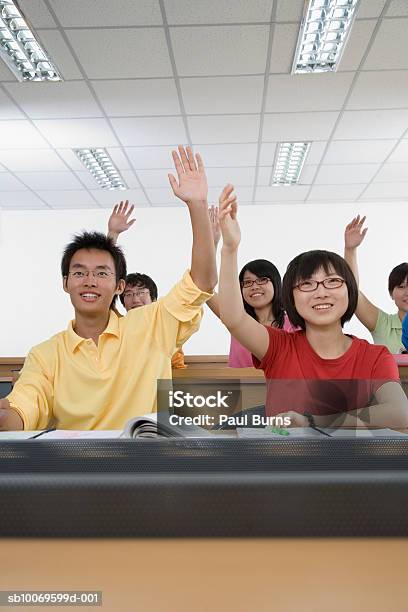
(385, 328)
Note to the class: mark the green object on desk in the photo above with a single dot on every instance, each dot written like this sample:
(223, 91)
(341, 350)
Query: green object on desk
(278, 430)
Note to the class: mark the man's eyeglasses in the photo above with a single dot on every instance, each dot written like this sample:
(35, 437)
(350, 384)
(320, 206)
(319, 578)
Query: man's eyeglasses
(328, 283)
(259, 281)
(99, 274)
(139, 293)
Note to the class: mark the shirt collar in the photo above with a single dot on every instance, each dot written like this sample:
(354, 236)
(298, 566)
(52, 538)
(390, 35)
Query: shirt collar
(111, 329)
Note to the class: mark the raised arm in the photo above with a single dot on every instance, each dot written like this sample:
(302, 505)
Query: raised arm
(244, 328)
(213, 303)
(119, 220)
(354, 235)
(191, 187)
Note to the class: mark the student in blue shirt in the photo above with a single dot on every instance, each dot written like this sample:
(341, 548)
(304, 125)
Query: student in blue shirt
(405, 332)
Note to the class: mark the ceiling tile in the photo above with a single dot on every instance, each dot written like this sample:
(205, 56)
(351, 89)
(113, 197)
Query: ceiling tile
(75, 205)
(223, 128)
(17, 134)
(289, 11)
(130, 179)
(264, 175)
(398, 8)
(372, 124)
(70, 159)
(10, 183)
(161, 195)
(8, 110)
(284, 127)
(37, 13)
(5, 73)
(218, 177)
(50, 180)
(214, 95)
(283, 47)
(386, 191)
(107, 199)
(393, 173)
(22, 160)
(60, 53)
(352, 152)
(390, 47)
(67, 199)
(86, 180)
(54, 100)
(336, 192)
(122, 53)
(400, 154)
(20, 199)
(150, 157)
(303, 92)
(369, 9)
(380, 89)
(150, 131)
(155, 178)
(94, 13)
(281, 193)
(217, 11)
(223, 50)
(119, 158)
(356, 46)
(228, 154)
(77, 133)
(346, 173)
(138, 97)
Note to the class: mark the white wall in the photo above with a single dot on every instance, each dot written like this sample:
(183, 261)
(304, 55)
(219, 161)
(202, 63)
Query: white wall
(33, 305)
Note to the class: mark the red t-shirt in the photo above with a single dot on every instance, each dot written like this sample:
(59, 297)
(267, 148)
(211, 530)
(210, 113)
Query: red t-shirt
(298, 379)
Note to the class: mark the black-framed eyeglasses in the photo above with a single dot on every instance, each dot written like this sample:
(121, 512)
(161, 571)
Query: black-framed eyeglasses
(258, 281)
(138, 293)
(333, 282)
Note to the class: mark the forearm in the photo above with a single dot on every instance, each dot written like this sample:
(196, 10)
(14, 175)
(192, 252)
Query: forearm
(203, 263)
(230, 299)
(113, 236)
(10, 420)
(380, 415)
(350, 255)
(214, 305)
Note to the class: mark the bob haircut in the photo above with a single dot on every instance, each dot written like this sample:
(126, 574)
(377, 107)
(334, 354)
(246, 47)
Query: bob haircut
(397, 276)
(143, 281)
(302, 267)
(100, 242)
(263, 267)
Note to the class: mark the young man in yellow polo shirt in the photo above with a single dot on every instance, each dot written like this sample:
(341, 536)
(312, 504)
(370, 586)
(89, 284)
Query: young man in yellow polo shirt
(103, 369)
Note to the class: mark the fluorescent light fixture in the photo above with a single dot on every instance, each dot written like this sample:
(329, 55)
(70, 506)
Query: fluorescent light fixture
(325, 27)
(101, 167)
(289, 161)
(19, 48)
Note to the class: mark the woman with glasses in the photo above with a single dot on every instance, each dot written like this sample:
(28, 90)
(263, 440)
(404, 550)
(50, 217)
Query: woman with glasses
(385, 328)
(317, 375)
(261, 290)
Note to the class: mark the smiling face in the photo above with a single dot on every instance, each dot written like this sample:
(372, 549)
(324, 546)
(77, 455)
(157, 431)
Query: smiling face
(400, 296)
(91, 282)
(257, 296)
(136, 296)
(322, 306)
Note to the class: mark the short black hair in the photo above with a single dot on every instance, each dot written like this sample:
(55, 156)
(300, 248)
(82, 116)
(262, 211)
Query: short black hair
(397, 276)
(140, 280)
(101, 242)
(302, 267)
(263, 267)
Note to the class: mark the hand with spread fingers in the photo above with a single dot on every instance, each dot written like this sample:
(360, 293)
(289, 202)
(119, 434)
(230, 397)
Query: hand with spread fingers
(119, 220)
(354, 233)
(191, 183)
(227, 216)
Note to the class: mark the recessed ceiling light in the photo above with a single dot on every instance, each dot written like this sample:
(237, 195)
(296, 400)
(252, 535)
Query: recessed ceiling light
(325, 27)
(101, 167)
(20, 49)
(289, 161)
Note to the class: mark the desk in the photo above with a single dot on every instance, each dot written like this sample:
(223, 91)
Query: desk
(257, 575)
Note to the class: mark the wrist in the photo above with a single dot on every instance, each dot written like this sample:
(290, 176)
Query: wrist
(197, 203)
(229, 249)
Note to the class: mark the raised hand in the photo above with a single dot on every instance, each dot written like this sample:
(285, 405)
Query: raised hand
(191, 185)
(227, 216)
(119, 219)
(354, 233)
(215, 224)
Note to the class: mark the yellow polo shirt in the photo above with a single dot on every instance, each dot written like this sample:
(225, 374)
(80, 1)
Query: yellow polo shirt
(72, 383)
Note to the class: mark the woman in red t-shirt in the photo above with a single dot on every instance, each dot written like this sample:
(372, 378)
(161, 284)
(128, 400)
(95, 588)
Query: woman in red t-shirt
(318, 374)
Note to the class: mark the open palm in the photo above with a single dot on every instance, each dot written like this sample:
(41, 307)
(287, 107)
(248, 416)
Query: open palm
(227, 216)
(191, 183)
(119, 219)
(354, 233)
